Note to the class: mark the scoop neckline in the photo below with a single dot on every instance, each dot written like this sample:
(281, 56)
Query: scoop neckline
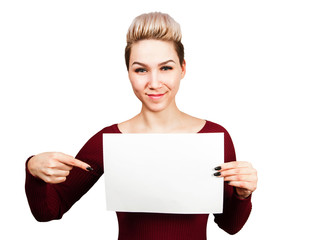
(118, 130)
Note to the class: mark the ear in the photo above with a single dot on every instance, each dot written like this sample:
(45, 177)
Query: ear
(183, 67)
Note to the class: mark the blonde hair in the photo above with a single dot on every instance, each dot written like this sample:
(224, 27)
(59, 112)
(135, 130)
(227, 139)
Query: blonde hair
(155, 25)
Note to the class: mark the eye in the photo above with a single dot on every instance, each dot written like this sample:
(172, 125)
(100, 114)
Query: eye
(140, 70)
(166, 68)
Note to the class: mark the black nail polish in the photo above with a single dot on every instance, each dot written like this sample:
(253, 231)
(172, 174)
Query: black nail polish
(89, 168)
(217, 174)
(227, 182)
(217, 168)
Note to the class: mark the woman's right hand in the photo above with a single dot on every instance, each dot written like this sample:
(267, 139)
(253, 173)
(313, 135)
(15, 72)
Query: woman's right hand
(54, 167)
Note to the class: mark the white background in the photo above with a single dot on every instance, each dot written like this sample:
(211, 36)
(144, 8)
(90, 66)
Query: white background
(252, 66)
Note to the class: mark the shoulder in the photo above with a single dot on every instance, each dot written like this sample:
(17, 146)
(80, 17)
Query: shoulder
(212, 127)
(110, 129)
(229, 151)
(96, 139)
(94, 144)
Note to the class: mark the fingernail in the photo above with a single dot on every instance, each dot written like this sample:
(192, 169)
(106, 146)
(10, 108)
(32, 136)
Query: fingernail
(217, 174)
(227, 182)
(89, 168)
(217, 168)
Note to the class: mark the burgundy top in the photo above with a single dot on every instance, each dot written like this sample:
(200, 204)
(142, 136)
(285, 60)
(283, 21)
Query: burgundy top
(51, 201)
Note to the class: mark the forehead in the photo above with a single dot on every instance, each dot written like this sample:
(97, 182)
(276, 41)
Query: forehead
(153, 52)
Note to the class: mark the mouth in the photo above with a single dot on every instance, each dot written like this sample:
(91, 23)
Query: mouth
(156, 96)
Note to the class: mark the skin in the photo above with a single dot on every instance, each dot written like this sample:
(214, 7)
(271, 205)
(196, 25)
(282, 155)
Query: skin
(240, 175)
(155, 74)
(154, 68)
(53, 167)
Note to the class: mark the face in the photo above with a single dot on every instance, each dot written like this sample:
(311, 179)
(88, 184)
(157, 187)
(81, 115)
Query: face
(155, 73)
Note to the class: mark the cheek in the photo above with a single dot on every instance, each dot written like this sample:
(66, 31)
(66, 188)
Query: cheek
(173, 81)
(137, 84)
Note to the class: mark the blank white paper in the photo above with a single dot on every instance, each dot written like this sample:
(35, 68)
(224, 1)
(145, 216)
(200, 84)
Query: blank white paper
(163, 173)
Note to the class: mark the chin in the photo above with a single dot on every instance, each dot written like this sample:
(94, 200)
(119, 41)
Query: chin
(155, 109)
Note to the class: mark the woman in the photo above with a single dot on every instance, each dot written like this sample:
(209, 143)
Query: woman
(155, 62)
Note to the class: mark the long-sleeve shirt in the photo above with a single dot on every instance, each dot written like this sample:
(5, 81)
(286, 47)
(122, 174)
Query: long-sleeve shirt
(51, 201)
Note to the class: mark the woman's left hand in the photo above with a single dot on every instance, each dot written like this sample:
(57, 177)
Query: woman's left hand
(240, 175)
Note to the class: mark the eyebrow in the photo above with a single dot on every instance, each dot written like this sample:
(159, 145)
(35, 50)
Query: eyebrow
(160, 64)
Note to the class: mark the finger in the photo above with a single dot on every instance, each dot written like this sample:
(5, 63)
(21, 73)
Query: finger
(236, 171)
(58, 173)
(245, 185)
(59, 165)
(49, 172)
(69, 160)
(235, 164)
(60, 179)
(54, 180)
(82, 165)
(65, 167)
(245, 178)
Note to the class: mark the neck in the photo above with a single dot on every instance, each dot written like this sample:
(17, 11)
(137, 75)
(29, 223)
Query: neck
(163, 121)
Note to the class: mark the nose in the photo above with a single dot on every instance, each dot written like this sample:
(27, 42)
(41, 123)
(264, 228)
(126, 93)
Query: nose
(154, 81)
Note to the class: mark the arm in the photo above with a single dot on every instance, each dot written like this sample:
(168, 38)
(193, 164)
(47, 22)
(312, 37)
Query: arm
(50, 200)
(236, 209)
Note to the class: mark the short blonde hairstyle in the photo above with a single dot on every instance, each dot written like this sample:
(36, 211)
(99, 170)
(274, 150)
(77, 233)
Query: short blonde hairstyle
(155, 25)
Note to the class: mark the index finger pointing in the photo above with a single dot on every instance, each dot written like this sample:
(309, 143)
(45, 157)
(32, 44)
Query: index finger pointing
(82, 165)
(69, 160)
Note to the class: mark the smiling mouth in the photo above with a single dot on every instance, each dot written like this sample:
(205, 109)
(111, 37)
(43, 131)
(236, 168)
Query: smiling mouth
(156, 96)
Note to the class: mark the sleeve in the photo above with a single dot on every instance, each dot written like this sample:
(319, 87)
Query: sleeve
(50, 201)
(235, 210)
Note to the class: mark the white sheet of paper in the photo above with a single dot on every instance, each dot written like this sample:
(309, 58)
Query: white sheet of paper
(163, 173)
